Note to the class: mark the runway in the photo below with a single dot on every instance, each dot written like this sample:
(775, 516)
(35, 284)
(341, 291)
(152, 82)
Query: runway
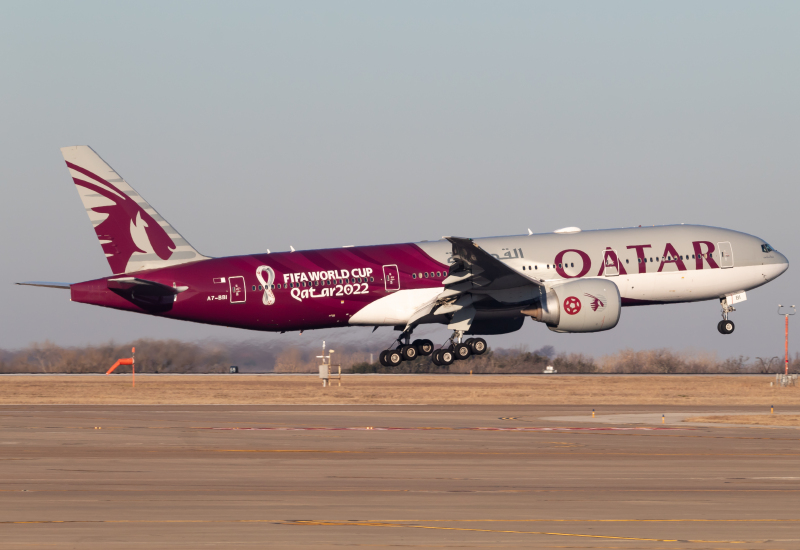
(377, 476)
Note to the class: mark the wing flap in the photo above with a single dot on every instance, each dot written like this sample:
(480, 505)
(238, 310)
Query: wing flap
(487, 272)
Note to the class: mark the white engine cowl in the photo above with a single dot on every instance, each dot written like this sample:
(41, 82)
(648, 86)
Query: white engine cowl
(584, 305)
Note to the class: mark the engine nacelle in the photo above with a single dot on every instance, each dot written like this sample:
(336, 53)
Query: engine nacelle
(583, 305)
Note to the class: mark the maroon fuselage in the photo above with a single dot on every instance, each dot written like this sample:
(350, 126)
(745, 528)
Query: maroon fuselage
(313, 288)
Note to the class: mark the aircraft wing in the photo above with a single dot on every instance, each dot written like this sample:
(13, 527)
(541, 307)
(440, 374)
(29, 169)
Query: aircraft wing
(477, 276)
(482, 271)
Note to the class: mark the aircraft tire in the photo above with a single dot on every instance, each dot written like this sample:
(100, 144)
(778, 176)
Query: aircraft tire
(462, 352)
(409, 352)
(435, 358)
(424, 347)
(446, 357)
(393, 357)
(382, 358)
(477, 346)
(726, 327)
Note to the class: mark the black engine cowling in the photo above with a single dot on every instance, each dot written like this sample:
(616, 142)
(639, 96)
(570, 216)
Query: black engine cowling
(583, 305)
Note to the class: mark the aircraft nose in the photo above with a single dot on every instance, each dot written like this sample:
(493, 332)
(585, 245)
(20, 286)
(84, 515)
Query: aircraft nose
(784, 262)
(777, 266)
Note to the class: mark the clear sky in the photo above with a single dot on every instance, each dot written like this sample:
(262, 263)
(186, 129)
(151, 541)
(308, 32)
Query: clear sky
(319, 124)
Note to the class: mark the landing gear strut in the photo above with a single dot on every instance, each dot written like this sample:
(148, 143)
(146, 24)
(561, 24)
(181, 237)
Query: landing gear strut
(725, 326)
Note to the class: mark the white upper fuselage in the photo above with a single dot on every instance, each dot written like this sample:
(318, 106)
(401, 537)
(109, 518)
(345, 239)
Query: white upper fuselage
(665, 264)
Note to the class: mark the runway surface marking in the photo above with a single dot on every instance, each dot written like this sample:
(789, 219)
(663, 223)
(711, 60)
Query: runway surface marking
(420, 428)
(515, 532)
(601, 431)
(403, 521)
(550, 452)
(412, 524)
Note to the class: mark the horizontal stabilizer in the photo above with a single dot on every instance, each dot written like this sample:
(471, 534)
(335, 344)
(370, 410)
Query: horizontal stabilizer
(45, 284)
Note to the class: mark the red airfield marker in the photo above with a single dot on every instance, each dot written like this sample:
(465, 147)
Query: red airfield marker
(126, 361)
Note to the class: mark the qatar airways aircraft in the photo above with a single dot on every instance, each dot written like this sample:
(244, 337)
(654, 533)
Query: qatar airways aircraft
(570, 280)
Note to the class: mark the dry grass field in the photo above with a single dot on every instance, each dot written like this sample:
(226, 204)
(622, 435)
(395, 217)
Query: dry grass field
(380, 389)
(753, 419)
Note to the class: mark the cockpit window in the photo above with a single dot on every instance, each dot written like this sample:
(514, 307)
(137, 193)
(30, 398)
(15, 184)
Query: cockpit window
(766, 248)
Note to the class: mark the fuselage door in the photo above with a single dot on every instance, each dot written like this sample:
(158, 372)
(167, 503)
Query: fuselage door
(725, 254)
(610, 263)
(238, 294)
(391, 277)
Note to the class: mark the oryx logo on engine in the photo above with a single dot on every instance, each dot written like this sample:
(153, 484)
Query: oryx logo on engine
(598, 303)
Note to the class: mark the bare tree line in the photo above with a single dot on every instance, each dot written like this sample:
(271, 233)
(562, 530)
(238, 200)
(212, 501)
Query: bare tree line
(173, 356)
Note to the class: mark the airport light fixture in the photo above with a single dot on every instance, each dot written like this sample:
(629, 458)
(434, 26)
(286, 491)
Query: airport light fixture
(785, 312)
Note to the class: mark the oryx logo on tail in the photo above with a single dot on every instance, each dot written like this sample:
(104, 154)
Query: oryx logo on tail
(127, 228)
(132, 234)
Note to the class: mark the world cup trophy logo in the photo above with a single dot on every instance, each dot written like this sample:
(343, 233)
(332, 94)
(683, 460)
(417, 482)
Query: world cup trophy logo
(269, 297)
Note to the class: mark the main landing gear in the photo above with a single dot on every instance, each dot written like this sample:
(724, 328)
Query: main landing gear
(405, 351)
(454, 349)
(725, 326)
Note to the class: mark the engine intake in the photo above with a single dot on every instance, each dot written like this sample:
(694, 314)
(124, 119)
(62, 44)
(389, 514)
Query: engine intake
(584, 305)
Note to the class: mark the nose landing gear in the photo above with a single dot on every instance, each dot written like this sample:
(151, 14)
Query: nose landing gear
(725, 326)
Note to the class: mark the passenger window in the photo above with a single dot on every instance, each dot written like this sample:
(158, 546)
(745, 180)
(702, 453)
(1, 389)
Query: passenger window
(426, 274)
(572, 265)
(413, 275)
(536, 267)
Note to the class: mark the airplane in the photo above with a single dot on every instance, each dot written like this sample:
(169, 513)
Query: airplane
(570, 280)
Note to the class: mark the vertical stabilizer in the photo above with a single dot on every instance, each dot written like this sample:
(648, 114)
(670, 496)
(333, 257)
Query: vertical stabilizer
(133, 235)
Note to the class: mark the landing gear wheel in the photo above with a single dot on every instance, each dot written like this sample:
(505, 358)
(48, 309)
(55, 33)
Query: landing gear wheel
(436, 359)
(382, 358)
(393, 357)
(462, 352)
(477, 346)
(408, 352)
(424, 347)
(446, 357)
(725, 327)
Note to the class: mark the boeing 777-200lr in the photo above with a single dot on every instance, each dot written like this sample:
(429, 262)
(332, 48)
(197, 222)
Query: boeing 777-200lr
(570, 280)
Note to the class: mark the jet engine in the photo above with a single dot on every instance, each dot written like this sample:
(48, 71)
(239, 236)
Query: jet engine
(583, 305)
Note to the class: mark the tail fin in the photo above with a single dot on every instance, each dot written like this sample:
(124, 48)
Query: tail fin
(133, 235)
